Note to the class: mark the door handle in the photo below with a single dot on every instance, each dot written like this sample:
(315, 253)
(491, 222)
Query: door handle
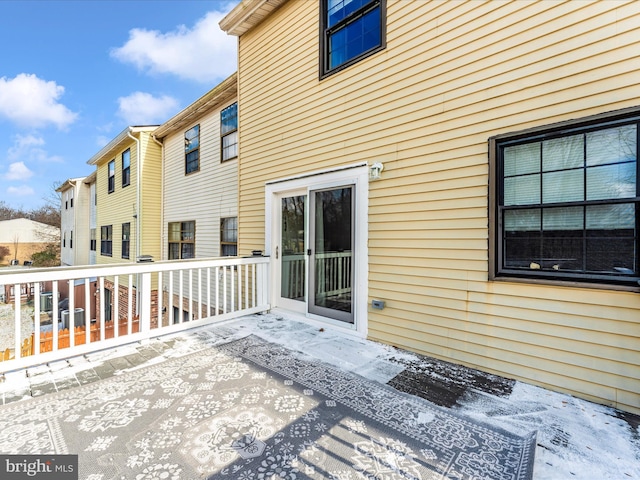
(276, 252)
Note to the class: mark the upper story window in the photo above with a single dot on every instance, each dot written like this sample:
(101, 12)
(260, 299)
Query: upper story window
(229, 237)
(106, 240)
(126, 239)
(350, 31)
(229, 132)
(112, 176)
(126, 167)
(567, 203)
(71, 198)
(66, 200)
(92, 240)
(192, 150)
(182, 240)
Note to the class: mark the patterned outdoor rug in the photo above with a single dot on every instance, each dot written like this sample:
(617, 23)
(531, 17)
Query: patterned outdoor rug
(253, 410)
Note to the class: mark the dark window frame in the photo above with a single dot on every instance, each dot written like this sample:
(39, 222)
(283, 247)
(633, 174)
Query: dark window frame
(126, 240)
(228, 237)
(111, 173)
(182, 246)
(229, 129)
(106, 240)
(350, 20)
(92, 240)
(553, 273)
(192, 150)
(126, 171)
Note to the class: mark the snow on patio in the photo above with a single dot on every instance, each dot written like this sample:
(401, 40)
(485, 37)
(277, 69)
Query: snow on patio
(576, 438)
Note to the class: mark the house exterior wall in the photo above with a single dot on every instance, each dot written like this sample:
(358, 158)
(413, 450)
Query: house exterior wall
(92, 219)
(119, 207)
(452, 75)
(74, 218)
(204, 196)
(28, 236)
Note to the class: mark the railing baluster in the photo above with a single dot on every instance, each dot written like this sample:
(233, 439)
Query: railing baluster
(103, 309)
(18, 322)
(199, 294)
(171, 319)
(56, 316)
(87, 311)
(130, 306)
(72, 313)
(115, 319)
(160, 300)
(180, 297)
(37, 320)
(217, 291)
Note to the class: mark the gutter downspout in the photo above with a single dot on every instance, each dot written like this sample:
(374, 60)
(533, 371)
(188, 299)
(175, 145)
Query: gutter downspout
(162, 243)
(138, 235)
(138, 161)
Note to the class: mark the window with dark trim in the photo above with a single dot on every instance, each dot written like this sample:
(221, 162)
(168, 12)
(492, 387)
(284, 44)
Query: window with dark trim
(229, 132)
(126, 239)
(350, 30)
(565, 202)
(182, 240)
(192, 150)
(229, 237)
(106, 238)
(71, 239)
(92, 240)
(112, 176)
(126, 167)
(64, 239)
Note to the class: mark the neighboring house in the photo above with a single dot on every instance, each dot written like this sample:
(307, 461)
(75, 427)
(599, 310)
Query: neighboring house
(24, 237)
(128, 198)
(90, 182)
(74, 219)
(200, 147)
(200, 177)
(455, 178)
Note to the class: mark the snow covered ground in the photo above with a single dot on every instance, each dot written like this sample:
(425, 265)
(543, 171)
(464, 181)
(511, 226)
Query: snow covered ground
(576, 438)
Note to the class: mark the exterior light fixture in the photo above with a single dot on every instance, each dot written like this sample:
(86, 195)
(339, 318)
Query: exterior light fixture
(375, 170)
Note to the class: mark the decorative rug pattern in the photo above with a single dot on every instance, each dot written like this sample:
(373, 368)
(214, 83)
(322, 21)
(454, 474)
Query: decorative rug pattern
(252, 410)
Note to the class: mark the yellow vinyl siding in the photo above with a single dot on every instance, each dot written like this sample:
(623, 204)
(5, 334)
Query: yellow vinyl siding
(120, 207)
(452, 75)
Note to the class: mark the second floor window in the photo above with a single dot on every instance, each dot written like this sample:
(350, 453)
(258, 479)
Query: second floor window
(126, 239)
(126, 168)
(106, 238)
(229, 237)
(182, 240)
(71, 239)
(192, 150)
(92, 240)
(111, 186)
(229, 132)
(351, 30)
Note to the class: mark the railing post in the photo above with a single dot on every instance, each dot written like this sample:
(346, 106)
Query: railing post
(144, 293)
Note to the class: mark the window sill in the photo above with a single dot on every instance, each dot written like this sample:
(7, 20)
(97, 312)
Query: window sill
(564, 283)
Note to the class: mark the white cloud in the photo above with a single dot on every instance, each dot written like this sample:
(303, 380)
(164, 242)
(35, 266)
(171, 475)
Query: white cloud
(203, 53)
(21, 191)
(32, 102)
(18, 171)
(28, 147)
(142, 108)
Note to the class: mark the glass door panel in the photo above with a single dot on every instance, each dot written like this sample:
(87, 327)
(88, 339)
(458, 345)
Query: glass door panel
(331, 258)
(292, 247)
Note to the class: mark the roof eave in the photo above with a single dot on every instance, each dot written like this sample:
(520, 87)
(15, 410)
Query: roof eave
(118, 141)
(224, 92)
(247, 14)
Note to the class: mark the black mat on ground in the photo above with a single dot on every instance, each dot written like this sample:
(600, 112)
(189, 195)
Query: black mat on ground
(250, 409)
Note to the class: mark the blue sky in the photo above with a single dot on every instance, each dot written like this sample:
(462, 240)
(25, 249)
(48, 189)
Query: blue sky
(74, 74)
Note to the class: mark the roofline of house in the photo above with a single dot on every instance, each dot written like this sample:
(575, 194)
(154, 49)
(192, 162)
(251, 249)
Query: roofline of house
(217, 96)
(247, 14)
(114, 144)
(69, 183)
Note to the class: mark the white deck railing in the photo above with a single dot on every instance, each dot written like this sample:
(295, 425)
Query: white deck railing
(132, 302)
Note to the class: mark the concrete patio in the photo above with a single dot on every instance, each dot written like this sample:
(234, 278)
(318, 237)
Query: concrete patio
(575, 439)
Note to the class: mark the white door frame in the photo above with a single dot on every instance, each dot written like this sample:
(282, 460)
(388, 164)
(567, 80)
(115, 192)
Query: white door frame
(356, 175)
